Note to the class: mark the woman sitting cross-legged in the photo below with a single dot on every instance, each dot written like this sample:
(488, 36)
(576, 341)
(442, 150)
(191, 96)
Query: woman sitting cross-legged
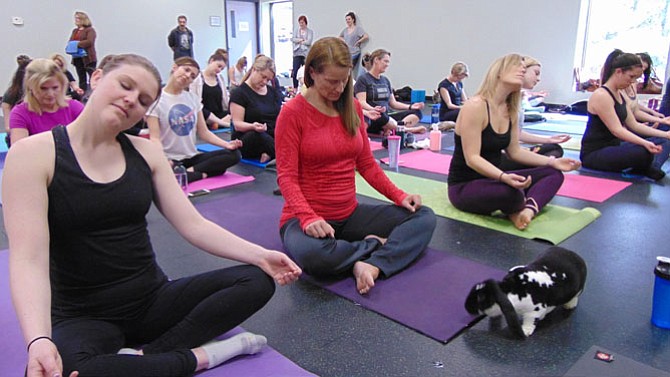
(176, 119)
(254, 106)
(321, 143)
(44, 103)
(544, 145)
(486, 125)
(611, 141)
(374, 92)
(85, 283)
(210, 87)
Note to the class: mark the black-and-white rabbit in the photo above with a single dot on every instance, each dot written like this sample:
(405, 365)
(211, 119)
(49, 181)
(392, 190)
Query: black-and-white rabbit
(555, 278)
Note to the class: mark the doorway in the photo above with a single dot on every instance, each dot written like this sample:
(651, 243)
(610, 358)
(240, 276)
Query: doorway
(242, 30)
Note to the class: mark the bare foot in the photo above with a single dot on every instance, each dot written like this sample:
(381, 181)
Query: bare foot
(380, 239)
(417, 129)
(365, 275)
(264, 158)
(522, 218)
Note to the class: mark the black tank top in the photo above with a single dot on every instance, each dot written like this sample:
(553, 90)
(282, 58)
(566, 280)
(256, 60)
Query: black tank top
(101, 261)
(597, 135)
(491, 150)
(212, 98)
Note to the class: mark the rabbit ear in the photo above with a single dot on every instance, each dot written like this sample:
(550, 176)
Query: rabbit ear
(507, 309)
(472, 301)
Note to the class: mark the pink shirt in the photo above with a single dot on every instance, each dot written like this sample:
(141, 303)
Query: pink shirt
(21, 117)
(317, 162)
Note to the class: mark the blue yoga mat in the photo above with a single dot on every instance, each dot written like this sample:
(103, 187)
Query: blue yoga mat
(205, 147)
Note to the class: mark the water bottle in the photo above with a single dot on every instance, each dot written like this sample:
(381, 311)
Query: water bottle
(660, 314)
(435, 113)
(182, 177)
(394, 150)
(402, 132)
(435, 138)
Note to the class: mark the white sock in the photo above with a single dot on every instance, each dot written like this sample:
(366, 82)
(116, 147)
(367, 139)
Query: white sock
(245, 343)
(129, 351)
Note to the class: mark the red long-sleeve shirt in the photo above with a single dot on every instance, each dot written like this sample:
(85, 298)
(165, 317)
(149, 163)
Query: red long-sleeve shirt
(317, 161)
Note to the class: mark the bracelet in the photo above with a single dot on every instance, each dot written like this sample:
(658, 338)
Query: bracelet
(410, 106)
(500, 177)
(35, 340)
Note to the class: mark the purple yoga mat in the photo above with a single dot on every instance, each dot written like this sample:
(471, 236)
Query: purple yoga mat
(428, 296)
(13, 358)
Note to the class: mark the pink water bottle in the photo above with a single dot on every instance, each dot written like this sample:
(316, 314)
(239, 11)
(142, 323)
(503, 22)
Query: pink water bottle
(435, 138)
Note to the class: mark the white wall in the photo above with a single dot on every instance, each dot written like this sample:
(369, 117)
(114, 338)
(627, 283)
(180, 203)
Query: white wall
(139, 26)
(424, 36)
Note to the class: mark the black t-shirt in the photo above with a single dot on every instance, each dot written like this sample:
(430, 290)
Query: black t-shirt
(257, 108)
(378, 92)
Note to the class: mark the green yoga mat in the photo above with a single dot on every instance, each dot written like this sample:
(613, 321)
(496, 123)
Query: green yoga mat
(554, 223)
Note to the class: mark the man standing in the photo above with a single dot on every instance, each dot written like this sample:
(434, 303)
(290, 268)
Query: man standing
(180, 39)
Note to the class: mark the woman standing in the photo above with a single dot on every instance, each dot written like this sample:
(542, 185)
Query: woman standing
(85, 34)
(44, 104)
(302, 40)
(611, 141)
(374, 92)
(452, 94)
(84, 277)
(177, 119)
(321, 143)
(211, 89)
(486, 125)
(354, 36)
(254, 106)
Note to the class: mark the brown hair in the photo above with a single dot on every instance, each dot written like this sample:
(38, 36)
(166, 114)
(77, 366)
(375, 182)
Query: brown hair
(303, 18)
(115, 61)
(333, 51)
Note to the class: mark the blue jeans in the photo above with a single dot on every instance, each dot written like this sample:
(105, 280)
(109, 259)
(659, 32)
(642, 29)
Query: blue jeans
(408, 235)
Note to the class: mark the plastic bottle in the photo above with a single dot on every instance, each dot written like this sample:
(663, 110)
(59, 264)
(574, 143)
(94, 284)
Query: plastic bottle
(182, 177)
(435, 113)
(660, 314)
(435, 138)
(394, 150)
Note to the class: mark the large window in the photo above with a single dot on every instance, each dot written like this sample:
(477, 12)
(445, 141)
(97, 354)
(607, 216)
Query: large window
(630, 25)
(281, 16)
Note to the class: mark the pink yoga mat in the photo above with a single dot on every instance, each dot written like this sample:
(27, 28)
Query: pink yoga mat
(590, 188)
(225, 180)
(375, 145)
(575, 186)
(424, 160)
(266, 363)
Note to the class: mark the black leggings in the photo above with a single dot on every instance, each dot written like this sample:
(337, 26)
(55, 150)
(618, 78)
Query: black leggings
(83, 70)
(182, 315)
(377, 126)
(212, 163)
(254, 144)
(298, 61)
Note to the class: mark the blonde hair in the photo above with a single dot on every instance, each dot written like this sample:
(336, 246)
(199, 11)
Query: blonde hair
(85, 20)
(38, 72)
(530, 61)
(492, 79)
(261, 63)
(333, 51)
